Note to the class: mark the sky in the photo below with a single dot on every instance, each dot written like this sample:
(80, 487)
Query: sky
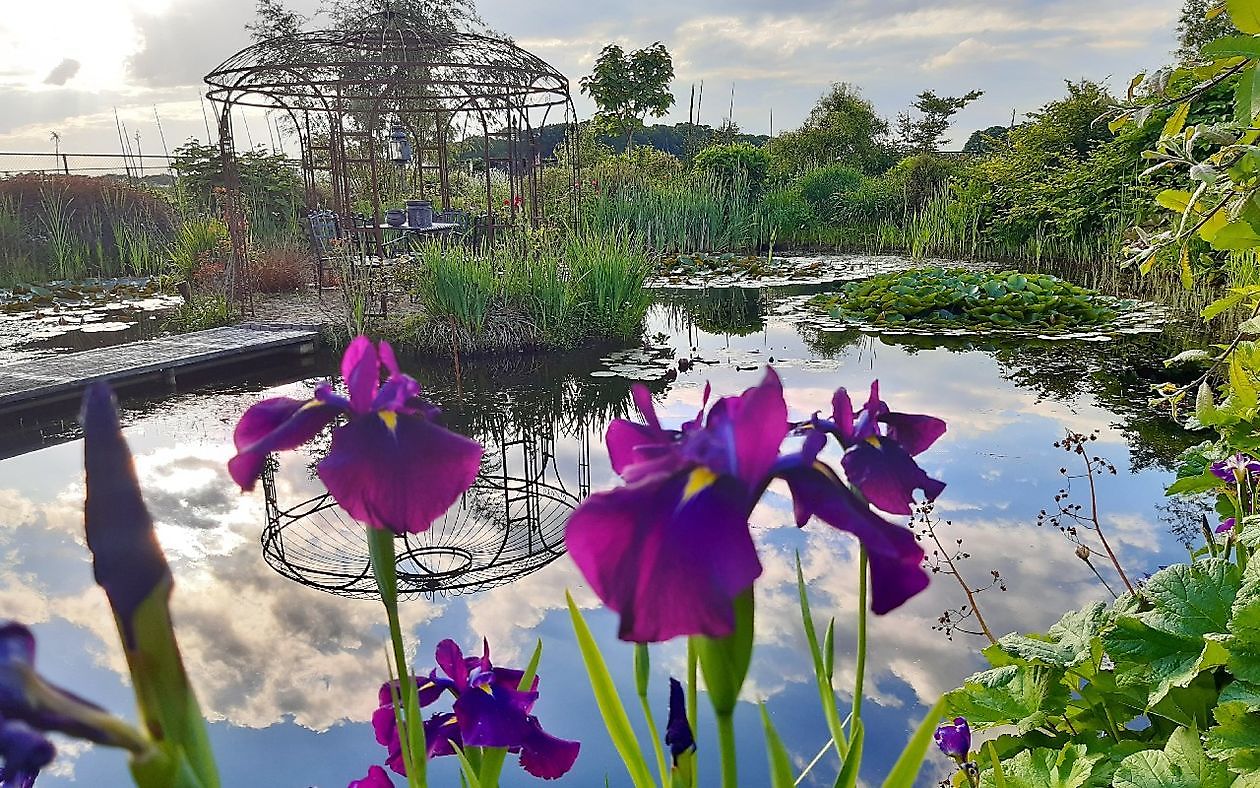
(66, 66)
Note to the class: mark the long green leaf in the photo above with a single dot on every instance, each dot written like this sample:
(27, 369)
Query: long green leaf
(822, 677)
(907, 766)
(780, 762)
(999, 776)
(853, 764)
(610, 706)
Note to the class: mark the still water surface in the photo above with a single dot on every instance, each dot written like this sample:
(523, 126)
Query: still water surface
(288, 675)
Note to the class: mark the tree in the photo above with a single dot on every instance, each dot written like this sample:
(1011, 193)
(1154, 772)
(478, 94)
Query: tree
(1194, 29)
(842, 127)
(985, 140)
(273, 19)
(629, 88)
(925, 133)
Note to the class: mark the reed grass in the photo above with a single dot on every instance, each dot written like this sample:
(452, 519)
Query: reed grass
(528, 291)
(66, 249)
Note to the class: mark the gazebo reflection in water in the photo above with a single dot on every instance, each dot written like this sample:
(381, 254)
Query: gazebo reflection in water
(509, 524)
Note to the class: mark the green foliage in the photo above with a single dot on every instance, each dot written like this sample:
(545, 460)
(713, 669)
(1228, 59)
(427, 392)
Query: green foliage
(530, 291)
(629, 87)
(958, 297)
(822, 187)
(739, 164)
(923, 134)
(1177, 655)
(842, 127)
(200, 314)
(269, 185)
(201, 242)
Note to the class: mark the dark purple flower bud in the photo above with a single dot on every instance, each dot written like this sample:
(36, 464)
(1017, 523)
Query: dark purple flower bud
(1226, 525)
(23, 752)
(954, 738)
(26, 697)
(390, 465)
(376, 778)
(126, 557)
(678, 730)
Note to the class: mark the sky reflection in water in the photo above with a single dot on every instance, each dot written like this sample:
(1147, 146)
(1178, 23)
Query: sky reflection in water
(289, 674)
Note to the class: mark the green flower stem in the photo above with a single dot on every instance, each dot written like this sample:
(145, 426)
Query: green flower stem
(860, 671)
(381, 550)
(642, 671)
(726, 744)
(693, 668)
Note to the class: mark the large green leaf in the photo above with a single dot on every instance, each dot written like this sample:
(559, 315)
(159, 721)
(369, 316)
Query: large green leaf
(1232, 46)
(1181, 764)
(1244, 628)
(1025, 695)
(1245, 14)
(1236, 737)
(1069, 767)
(1179, 630)
(1066, 644)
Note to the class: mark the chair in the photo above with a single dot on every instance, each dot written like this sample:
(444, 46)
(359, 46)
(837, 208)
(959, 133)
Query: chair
(322, 229)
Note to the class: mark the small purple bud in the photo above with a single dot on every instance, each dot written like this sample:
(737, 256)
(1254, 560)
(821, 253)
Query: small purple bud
(954, 738)
(1226, 525)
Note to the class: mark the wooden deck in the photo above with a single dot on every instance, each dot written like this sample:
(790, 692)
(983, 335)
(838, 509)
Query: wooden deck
(27, 384)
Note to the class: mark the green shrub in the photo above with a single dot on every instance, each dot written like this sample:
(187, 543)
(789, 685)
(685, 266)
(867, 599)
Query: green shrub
(199, 315)
(200, 245)
(922, 177)
(740, 164)
(819, 187)
(785, 213)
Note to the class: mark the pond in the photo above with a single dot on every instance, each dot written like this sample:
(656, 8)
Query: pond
(288, 674)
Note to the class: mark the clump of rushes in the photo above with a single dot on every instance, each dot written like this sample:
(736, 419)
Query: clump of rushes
(955, 297)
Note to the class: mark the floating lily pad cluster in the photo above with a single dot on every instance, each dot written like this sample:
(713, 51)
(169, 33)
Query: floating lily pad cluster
(957, 297)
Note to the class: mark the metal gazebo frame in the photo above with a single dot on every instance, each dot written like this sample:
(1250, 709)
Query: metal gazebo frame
(343, 90)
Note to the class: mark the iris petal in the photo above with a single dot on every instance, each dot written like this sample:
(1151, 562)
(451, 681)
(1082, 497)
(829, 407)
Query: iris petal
(670, 567)
(893, 553)
(888, 476)
(758, 426)
(376, 778)
(630, 444)
(494, 717)
(361, 370)
(545, 756)
(276, 424)
(912, 431)
(401, 478)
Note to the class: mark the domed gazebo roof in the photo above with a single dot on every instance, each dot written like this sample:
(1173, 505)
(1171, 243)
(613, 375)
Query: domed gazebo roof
(387, 55)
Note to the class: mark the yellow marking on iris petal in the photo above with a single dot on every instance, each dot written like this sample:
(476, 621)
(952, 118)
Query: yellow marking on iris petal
(390, 418)
(425, 686)
(873, 440)
(487, 689)
(451, 721)
(698, 479)
(310, 404)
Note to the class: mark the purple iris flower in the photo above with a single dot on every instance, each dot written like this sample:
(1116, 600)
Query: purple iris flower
(954, 738)
(1226, 525)
(678, 730)
(376, 778)
(671, 549)
(880, 446)
(490, 710)
(390, 465)
(27, 698)
(1236, 469)
(23, 752)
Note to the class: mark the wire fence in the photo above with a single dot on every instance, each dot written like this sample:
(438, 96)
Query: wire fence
(140, 166)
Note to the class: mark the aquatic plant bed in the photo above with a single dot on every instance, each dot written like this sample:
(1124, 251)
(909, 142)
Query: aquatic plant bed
(37, 320)
(706, 270)
(955, 300)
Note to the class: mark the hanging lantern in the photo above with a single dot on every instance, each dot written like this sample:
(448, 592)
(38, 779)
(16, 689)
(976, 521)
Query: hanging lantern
(399, 145)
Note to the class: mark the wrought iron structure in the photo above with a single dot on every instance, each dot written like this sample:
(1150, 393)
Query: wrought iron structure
(345, 95)
(509, 524)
